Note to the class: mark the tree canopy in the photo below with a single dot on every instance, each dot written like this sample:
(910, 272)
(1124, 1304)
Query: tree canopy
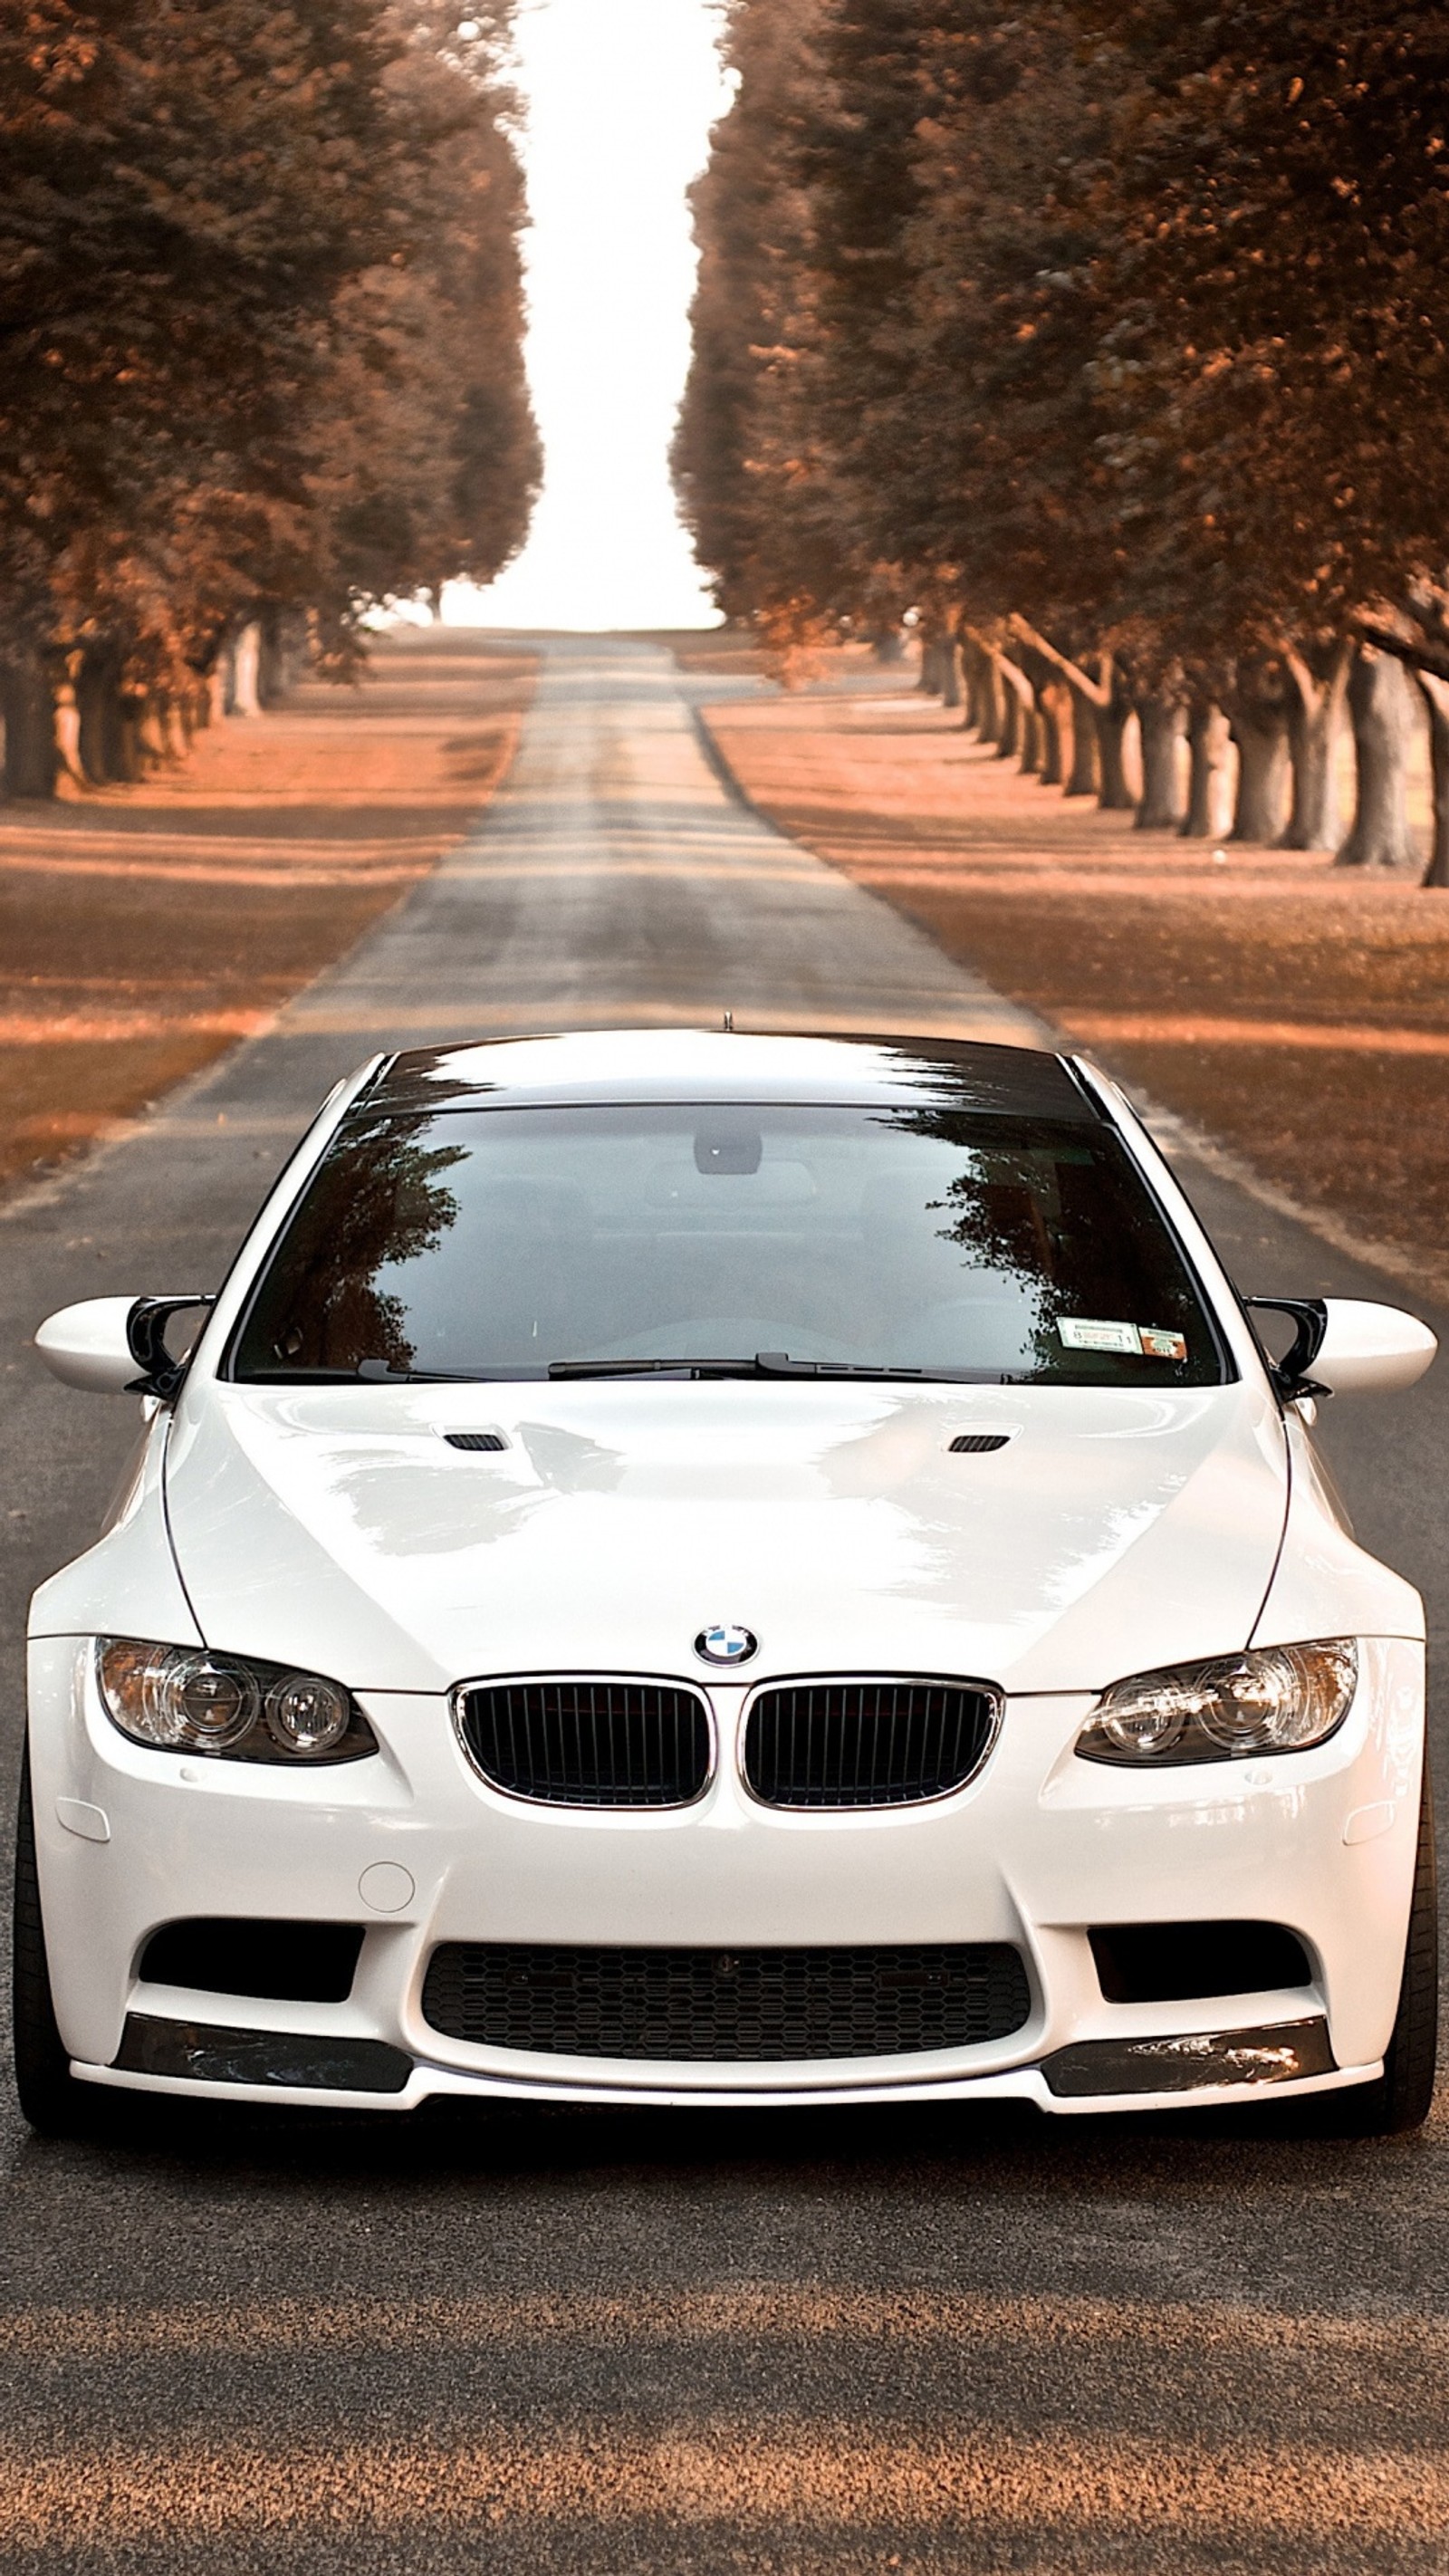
(260, 327)
(1092, 328)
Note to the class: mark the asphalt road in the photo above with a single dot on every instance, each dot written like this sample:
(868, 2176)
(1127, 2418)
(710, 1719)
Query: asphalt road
(555, 2341)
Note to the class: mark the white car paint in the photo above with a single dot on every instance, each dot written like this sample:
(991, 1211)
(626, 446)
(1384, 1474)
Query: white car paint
(1368, 1346)
(86, 1346)
(333, 1528)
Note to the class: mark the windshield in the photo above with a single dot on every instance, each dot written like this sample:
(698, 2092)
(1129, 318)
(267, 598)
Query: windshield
(499, 1242)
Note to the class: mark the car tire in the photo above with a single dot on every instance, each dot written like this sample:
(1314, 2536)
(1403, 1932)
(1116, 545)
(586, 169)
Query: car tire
(1399, 2099)
(51, 2099)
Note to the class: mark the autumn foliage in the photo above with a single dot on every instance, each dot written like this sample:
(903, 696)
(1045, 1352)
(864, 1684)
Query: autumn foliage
(1109, 340)
(260, 344)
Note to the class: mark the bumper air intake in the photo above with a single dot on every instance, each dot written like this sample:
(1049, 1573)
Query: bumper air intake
(1162, 1963)
(293, 1963)
(725, 2007)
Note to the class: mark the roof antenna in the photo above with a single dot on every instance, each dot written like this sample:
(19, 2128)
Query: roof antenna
(729, 1024)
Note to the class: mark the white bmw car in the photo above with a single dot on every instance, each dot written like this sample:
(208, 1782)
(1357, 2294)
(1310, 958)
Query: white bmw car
(708, 1569)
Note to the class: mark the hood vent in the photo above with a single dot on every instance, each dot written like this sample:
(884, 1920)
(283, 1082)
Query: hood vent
(975, 1444)
(475, 1440)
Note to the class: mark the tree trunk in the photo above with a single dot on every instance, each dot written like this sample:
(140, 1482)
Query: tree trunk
(1260, 730)
(1054, 706)
(104, 747)
(1382, 708)
(1026, 738)
(1315, 724)
(1209, 741)
(1114, 795)
(1435, 694)
(27, 697)
(993, 698)
(1262, 780)
(67, 734)
(1008, 741)
(972, 667)
(1098, 714)
(929, 681)
(1085, 777)
(133, 724)
(1160, 719)
(246, 654)
(280, 661)
(950, 673)
(889, 645)
(155, 732)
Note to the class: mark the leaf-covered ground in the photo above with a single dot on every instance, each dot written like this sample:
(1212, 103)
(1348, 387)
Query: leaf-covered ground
(1298, 1013)
(143, 929)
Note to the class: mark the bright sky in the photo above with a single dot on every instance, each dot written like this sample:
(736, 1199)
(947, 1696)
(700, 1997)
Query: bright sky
(620, 96)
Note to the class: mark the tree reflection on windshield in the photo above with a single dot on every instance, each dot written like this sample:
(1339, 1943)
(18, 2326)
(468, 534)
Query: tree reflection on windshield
(383, 1205)
(926, 1240)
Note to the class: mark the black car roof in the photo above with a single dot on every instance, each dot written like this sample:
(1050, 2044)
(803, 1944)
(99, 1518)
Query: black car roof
(659, 1065)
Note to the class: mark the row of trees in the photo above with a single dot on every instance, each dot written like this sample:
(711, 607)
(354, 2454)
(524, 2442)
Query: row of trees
(1111, 338)
(260, 348)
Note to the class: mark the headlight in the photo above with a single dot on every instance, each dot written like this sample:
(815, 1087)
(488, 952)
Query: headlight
(185, 1699)
(1270, 1699)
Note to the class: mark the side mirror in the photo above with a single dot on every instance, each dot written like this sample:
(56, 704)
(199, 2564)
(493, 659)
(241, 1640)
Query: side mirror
(115, 1345)
(1348, 1346)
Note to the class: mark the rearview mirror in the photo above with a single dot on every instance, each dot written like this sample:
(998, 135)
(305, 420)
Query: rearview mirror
(1348, 1346)
(115, 1345)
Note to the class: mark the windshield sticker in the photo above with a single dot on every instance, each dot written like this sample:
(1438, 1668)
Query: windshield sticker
(1140, 1341)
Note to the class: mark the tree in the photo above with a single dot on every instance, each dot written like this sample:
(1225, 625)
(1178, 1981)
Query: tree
(755, 488)
(228, 231)
(1279, 193)
(430, 452)
(1115, 330)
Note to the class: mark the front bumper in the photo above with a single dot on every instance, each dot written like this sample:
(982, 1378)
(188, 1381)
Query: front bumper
(414, 1848)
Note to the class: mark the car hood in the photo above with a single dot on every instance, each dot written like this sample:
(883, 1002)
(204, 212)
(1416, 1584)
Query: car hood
(337, 1528)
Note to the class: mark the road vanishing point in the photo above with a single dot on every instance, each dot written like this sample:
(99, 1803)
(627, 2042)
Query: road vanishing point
(781, 2343)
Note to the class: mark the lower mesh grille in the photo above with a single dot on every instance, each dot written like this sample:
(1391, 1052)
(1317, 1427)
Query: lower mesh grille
(865, 1743)
(725, 2006)
(590, 1743)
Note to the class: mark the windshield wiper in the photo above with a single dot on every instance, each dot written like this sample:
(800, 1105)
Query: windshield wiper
(653, 1368)
(379, 1373)
(774, 1364)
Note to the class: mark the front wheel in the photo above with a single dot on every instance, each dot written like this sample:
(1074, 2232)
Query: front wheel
(1399, 2099)
(51, 2099)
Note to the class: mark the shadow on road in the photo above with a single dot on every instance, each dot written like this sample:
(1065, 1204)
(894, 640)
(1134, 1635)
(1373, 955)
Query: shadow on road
(1004, 2154)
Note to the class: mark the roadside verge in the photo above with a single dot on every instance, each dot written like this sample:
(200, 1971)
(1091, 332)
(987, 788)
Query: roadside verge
(1284, 1022)
(150, 927)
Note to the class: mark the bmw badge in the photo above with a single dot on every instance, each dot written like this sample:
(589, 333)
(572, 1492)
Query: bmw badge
(726, 1645)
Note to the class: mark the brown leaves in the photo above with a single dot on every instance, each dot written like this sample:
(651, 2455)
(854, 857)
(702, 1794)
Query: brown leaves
(189, 376)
